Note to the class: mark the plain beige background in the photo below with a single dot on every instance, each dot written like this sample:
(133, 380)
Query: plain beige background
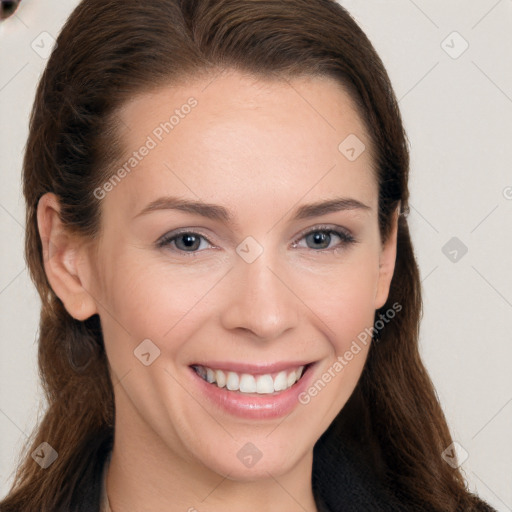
(451, 66)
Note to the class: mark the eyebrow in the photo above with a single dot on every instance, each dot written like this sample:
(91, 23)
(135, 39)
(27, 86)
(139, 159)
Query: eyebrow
(217, 212)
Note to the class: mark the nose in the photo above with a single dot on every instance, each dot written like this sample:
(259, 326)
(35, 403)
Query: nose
(261, 299)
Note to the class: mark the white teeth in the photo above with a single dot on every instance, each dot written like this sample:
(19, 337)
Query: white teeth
(265, 385)
(247, 383)
(220, 377)
(281, 381)
(210, 376)
(232, 382)
(292, 378)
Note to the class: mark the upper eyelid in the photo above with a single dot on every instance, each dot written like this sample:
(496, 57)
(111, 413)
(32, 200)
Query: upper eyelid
(325, 227)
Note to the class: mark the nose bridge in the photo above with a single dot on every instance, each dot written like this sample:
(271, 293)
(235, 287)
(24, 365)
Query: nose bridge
(261, 302)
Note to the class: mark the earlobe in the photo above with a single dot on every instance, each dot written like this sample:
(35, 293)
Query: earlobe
(387, 263)
(63, 260)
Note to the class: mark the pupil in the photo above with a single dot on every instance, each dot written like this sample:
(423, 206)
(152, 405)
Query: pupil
(321, 237)
(190, 240)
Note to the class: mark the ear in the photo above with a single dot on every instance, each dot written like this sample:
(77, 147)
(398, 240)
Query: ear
(387, 263)
(65, 260)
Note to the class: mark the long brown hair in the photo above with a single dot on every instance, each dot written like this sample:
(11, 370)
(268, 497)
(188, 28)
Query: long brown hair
(110, 50)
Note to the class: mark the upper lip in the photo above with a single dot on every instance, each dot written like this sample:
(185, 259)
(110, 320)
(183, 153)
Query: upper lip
(252, 368)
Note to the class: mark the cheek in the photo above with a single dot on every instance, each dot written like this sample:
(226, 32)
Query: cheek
(148, 298)
(348, 311)
(346, 302)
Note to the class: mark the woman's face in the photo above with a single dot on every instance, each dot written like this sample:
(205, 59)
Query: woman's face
(238, 285)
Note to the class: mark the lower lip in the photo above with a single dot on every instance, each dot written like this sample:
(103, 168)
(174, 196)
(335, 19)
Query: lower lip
(252, 406)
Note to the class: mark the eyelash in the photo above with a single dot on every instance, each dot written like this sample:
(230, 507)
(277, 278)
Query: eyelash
(346, 239)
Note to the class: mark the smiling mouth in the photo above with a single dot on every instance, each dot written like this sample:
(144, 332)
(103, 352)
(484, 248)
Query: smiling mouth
(262, 384)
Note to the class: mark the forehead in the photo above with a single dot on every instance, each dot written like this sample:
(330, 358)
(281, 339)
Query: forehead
(234, 137)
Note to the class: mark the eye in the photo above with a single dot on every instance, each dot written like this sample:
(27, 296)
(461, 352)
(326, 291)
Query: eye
(184, 241)
(321, 237)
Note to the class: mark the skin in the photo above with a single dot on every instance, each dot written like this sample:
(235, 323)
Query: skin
(260, 149)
